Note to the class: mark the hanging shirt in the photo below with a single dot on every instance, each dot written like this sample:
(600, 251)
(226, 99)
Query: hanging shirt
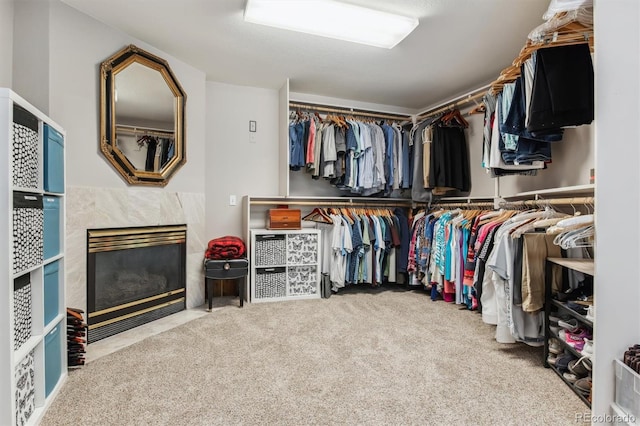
(365, 160)
(296, 149)
(317, 151)
(311, 142)
(389, 153)
(327, 248)
(341, 244)
(379, 153)
(357, 251)
(510, 141)
(329, 154)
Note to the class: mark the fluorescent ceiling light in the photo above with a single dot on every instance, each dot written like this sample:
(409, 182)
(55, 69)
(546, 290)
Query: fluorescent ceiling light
(333, 19)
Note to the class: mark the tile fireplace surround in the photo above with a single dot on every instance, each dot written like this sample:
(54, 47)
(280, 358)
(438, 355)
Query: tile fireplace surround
(90, 208)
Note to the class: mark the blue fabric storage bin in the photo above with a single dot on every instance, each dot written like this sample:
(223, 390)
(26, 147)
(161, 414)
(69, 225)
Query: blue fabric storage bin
(53, 160)
(52, 359)
(51, 206)
(51, 291)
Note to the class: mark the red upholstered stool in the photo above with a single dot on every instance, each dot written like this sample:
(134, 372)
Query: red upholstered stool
(225, 270)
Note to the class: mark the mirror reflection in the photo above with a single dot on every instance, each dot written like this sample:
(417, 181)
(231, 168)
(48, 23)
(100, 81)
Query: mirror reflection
(144, 113)
(142, 117)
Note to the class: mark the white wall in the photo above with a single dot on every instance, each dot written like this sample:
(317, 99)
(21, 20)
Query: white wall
(6, 42)
(78, 45)
(482, 184)
(235, 165)
(31, 52)
(617, 293)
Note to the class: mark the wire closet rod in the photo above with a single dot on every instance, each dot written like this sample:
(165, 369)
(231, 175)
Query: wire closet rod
(349, 111)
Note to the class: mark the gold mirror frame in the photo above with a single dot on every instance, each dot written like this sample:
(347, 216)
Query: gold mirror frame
(108, 134)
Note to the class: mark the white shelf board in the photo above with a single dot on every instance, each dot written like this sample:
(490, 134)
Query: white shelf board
(26, 271)
(567, 190)
(586, 266)
(470, 199)
(53, 323)
(26, 347)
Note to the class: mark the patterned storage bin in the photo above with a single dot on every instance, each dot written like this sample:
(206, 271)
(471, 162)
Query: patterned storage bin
(25, 389)
(24, 150)
(303, 280)
(270, 282)
(21, 310)
(302, 249)
(28, 221)
(270, 250)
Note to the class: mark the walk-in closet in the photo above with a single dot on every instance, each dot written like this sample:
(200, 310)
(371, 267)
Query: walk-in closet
(421, 213)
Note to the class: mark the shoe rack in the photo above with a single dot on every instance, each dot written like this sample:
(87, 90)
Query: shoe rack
(553, 306)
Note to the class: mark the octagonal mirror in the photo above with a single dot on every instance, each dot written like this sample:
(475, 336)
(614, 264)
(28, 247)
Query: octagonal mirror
(142, 125)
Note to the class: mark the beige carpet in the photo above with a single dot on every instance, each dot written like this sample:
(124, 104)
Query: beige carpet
(378, 357)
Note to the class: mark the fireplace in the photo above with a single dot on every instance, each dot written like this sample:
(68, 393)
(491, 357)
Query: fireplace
(134, 276)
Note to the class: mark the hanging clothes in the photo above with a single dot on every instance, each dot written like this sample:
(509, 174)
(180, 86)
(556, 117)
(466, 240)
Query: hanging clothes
(365, 246)
(152, 143)
(364, 158)
(493, 262)
(563, 88)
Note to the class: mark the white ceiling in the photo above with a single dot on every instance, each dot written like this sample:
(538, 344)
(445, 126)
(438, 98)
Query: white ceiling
(458, 46)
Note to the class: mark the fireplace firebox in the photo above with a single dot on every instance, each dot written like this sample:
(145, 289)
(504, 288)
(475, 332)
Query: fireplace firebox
(134, 276)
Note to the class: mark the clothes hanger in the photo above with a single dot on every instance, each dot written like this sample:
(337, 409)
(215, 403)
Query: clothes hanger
(480, 108)
(346, 215)
(318, 215)
(578, 220)
(575, 238)
(454, 115)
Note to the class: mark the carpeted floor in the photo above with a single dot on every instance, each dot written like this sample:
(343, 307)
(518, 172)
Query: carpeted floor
(376, 357)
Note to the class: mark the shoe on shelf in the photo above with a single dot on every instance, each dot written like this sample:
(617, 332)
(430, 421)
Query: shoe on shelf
(591, 313)
(580, 367)
(587, 349)
(575, 343)
(554, 329)
(551, 359)
(583, 385)
(580, 333)
(570, 377)
(555, 347)
(554, 318)
(562, 362)
(570, 324)
(582, 310)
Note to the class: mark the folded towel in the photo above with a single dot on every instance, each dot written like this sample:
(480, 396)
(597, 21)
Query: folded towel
(227, 247)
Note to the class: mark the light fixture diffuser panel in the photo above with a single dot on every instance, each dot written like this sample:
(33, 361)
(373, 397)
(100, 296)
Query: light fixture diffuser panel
(333, 19)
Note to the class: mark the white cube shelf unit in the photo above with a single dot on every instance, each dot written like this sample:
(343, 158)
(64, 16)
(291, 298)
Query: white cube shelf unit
(285, 265)
(33, 358)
